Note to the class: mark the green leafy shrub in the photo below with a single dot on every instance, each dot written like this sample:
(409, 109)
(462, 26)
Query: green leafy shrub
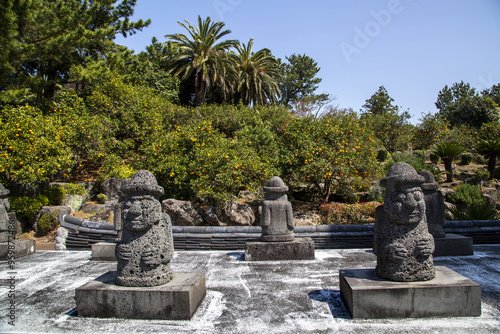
(466, 158)
(27, 207)
(478, 211)
(327, 153)
(47, 223)
(348, 214)
(434, 158)
(101, 198)
(55, 194)
(32, 145)
(467, 194)
(382, 155)
(74, 189)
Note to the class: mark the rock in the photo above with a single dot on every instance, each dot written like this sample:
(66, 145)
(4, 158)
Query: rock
(75, 202)
(102, 216)
(232, 214)
(401, 240)
(111, 188)
(89, 207)
(146, 245)
(182, 213)
(307, 219)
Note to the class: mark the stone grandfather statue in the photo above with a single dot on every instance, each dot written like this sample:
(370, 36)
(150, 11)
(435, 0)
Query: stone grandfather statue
(4, 217)
(434, 205)
(402, 242)
(277, 216)
(146, 246)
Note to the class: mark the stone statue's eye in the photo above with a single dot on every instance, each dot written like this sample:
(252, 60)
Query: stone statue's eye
(401, 197)
(418, 196)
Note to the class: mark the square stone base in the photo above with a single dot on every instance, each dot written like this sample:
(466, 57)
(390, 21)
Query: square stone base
(298, 249)
(178, 299)
(104, 251)
(453, 245)
(22, 248)
(449, 294)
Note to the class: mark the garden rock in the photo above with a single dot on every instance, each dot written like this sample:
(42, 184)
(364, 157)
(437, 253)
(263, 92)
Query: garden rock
(402, 242)
(307, 219)
(182, 213)
(232, 214)
(75, 202)
(14, 221)
(111, 188)
(90, 207)
(102, 216)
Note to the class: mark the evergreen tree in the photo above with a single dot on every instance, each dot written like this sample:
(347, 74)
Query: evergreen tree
(43, 40)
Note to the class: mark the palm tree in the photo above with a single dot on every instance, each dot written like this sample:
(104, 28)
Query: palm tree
(447, 151)
(257, 75)
(202, 58)
(491, 149)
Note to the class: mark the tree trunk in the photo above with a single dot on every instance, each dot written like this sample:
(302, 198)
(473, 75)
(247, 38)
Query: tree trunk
(449, 169)
(491, 165)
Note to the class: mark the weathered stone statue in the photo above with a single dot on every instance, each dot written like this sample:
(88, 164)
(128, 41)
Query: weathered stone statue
(434, 205)
(146, 246)
(277, 216)
(4, 217)
(402, 243)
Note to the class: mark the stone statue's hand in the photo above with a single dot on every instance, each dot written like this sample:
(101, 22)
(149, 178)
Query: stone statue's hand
(150, 258)
(424, 247)
(398, 251)
(123, 252)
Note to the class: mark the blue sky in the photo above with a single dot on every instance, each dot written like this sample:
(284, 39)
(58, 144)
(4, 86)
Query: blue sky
(412, 47)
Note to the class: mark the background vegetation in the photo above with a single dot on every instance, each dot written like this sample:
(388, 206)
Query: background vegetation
(209, 116)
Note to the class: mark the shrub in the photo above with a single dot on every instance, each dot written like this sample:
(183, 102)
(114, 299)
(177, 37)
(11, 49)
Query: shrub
(327, 153)
(480, 211)
(75, 189)
(47, 223)
(467, 194)
(27, 207)
(55, 195)
(348, 214)
(466, 158)
(434, 158)
(32, 146)
(101, 198)
(382, 155)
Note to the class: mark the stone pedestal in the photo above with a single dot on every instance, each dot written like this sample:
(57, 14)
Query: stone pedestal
(453, 245)
(22, 248)
(176, 300)
(449, 294)
(104, 251)
(297, 249)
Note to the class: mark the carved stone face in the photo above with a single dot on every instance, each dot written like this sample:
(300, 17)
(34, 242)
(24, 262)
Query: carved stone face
(140, 213)
(406, 206)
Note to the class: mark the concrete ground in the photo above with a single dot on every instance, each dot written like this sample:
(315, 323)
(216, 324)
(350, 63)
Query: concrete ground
(242, 297)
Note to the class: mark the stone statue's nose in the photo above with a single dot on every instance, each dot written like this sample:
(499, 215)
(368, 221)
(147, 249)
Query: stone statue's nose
(411, 202)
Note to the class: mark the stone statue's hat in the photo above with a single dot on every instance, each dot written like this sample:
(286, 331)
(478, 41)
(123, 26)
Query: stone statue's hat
(144, 183)
(401, 174)
(276, 185)
(3, 191)
(430, 182)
